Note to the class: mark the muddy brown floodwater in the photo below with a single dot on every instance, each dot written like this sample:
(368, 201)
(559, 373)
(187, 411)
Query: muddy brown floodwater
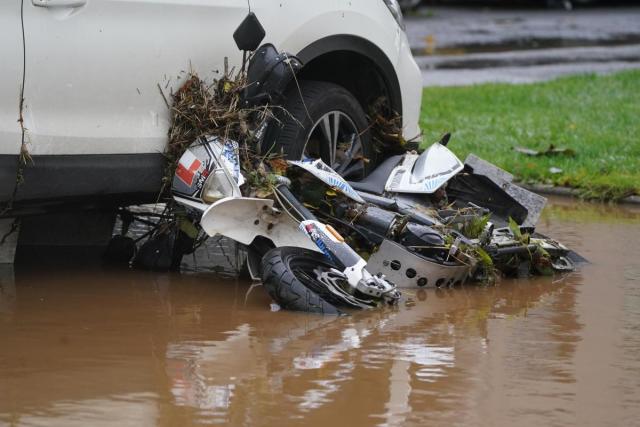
(135, 349)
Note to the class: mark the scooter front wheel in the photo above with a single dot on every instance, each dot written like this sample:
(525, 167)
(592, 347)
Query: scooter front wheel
(291, 277)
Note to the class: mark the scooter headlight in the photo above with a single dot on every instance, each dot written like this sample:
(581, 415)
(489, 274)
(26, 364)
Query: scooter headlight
(394, 8)
(218, 186)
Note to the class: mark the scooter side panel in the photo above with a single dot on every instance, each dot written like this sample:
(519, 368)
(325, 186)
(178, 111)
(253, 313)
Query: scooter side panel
(408, 270)
(327, 175)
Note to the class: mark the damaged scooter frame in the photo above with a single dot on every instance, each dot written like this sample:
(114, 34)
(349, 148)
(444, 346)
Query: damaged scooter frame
(207, 181)
(402, 217)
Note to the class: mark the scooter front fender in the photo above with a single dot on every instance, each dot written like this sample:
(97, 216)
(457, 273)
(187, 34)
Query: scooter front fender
(243, 219)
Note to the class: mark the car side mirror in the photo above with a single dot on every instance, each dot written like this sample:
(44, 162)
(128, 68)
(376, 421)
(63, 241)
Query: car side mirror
(249, 33)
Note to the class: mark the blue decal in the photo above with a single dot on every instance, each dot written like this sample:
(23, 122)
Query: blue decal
(229, 152)
(314, 235)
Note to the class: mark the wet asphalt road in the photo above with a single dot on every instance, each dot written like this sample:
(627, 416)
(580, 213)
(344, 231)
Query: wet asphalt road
(458, 46)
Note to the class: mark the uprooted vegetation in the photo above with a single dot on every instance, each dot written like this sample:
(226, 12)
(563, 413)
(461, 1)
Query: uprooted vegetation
(199, 109)
(386, 129)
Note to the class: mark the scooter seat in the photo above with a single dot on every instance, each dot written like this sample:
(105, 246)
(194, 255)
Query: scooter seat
(374, 182)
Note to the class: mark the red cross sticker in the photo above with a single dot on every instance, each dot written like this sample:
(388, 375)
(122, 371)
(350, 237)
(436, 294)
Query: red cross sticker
(187, 168)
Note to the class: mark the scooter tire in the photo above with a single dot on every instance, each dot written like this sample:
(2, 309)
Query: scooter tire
(280, 277)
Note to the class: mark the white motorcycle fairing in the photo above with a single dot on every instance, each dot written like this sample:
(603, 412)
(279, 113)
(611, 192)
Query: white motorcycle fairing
(324, 173)
(243, 219)
(425, 173)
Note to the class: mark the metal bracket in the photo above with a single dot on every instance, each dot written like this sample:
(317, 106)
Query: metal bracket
(408, 270)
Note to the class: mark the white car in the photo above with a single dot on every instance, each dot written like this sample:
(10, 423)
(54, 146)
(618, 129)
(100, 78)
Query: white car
(95, 123)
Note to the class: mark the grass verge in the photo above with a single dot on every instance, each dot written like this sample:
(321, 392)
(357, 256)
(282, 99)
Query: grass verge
(598, 117)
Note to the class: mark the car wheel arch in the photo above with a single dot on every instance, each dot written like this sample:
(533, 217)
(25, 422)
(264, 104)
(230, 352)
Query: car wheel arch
(354, 63)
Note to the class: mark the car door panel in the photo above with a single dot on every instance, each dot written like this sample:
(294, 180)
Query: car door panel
(96, 71)
(11, 73)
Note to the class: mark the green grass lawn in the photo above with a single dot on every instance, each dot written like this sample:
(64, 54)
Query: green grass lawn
(596, 116)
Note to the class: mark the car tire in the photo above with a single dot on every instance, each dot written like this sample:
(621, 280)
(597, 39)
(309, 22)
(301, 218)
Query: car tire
(310, 112)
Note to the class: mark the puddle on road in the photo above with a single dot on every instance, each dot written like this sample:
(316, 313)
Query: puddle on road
(519, 44)
(131, 348)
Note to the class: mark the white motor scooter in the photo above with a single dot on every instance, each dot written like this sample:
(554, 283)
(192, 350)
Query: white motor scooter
(208, 180)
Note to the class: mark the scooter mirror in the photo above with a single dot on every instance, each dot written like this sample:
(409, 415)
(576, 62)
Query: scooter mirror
(249, 33)
(445, 139)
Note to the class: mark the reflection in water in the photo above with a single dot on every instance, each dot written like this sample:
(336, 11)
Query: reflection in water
(132, 410)
(196, 378)
(7, 290)
(319, 357)
(432, 360)
(146, 349)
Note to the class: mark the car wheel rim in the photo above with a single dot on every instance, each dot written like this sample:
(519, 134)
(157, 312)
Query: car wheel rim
(335, 139)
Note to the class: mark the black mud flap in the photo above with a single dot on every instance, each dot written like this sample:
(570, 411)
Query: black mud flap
(480, 190)
(163, 251)
(255, 252)
(156, 254)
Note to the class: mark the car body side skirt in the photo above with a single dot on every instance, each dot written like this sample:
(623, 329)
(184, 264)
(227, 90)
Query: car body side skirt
(93, 180)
